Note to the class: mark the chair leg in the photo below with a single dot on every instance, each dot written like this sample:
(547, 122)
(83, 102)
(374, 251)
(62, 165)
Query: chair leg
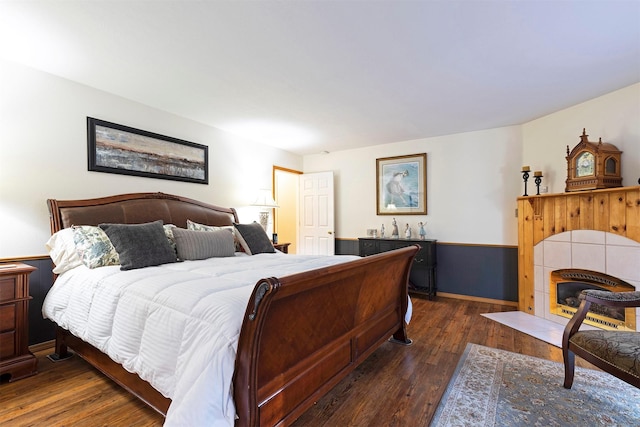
(569, 367)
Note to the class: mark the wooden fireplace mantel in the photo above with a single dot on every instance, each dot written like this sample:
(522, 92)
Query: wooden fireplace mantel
(614, 210)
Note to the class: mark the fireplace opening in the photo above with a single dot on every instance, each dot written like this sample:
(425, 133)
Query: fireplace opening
(566, 286)
(568, 293)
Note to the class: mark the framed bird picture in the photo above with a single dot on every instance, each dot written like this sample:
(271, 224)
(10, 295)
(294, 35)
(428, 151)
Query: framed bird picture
(401, 185)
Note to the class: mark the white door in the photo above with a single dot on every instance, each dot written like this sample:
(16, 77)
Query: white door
(316, 235)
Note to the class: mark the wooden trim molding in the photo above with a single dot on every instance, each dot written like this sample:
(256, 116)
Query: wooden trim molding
(478, 299)
(25, 258)
(46, 345)
(615, 210)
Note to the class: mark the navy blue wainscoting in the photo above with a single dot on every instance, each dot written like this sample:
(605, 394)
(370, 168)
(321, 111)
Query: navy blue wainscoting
(478, 271)
(40, 281)
(470, 270)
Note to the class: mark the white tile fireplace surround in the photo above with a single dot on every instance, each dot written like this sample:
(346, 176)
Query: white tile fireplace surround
(584, 249)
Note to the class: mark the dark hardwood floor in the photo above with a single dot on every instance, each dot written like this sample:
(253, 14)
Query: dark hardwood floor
(395, 386)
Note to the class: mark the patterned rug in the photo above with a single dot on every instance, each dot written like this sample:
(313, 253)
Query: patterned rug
(493, 387)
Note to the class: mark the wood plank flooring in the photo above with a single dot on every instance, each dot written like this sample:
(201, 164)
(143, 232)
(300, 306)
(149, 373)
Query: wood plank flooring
(396, 386)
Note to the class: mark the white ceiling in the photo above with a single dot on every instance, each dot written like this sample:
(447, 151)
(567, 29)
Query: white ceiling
(308, 76)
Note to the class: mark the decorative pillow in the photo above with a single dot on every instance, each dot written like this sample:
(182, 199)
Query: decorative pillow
(193, 245)
(253, 238)
(62, 250)
(140, 245)
(168, 232)
(201, 227)
(94, 247)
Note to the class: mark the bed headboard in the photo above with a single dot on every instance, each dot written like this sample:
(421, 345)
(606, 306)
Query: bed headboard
(136, 208)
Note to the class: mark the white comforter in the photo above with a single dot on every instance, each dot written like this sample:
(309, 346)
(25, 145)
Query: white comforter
(175, 325)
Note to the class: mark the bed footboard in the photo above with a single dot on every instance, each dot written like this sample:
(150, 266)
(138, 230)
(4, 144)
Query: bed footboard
(341, 315)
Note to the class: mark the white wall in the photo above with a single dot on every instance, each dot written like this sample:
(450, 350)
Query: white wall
(43, 154)
(473, 181)
(614, 117)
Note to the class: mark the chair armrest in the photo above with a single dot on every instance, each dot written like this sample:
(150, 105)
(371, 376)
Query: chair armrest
(616, 299)
(576, 321)
(589, 296)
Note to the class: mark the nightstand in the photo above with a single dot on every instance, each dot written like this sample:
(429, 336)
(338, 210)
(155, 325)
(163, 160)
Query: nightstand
(282, 247)
(15, 358)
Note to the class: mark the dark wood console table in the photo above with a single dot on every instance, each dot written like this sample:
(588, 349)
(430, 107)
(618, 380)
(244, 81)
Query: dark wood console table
(423, 272)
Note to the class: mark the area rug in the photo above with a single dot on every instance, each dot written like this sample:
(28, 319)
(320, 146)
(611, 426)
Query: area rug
(492, 387)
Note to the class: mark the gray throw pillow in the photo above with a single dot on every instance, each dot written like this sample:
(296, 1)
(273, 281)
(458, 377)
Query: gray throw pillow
(192, 245)
(253, 239)
(140, 245)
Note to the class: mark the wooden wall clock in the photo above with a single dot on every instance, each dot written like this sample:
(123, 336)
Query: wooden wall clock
(591, 165)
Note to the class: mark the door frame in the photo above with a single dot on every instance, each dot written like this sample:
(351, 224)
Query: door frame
(276, 192)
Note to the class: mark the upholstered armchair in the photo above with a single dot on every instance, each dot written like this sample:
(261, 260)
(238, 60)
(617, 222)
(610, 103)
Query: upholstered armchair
(615, 352)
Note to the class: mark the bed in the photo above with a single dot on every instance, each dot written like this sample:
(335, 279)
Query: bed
(301, 329)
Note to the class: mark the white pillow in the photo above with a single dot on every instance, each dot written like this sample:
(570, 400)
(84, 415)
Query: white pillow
(62, 250)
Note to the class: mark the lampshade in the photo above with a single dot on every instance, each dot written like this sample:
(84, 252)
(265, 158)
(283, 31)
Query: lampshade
(265, 200)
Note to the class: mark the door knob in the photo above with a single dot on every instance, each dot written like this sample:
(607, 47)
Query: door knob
(329, 232)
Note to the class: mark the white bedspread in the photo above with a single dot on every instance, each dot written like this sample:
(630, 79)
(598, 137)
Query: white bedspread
(175, 325)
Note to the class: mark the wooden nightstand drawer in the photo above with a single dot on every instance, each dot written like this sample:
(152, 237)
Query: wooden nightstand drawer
(7, 317)
(16, 361)
(282, 247)
(7, 345)
(7, 289)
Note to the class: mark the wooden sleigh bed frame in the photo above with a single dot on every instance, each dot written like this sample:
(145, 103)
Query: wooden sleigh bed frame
(301, 334)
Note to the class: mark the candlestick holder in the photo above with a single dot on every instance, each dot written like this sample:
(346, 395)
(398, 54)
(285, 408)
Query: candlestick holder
(525, 177)
(537, 179)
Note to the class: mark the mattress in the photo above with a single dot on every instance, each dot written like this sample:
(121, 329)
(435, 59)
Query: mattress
(175, 325)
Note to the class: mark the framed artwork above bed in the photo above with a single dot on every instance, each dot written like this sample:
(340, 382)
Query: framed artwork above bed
(120, 149)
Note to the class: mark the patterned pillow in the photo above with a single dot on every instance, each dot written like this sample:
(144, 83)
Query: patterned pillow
(253, 238)
(192, 245)
(94, 247)
(168, 232)
(201, 227)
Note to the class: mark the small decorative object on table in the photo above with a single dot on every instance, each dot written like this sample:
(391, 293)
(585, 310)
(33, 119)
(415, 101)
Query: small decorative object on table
(394, 231)
(382, 231)
(537, 179)
(525, 177)
(421, 230)
(407, 232)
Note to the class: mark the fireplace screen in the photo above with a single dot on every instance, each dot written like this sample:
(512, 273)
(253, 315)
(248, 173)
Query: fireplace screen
(566, 286)
(568, 292)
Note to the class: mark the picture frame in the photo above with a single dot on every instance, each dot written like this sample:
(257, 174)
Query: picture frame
(401, 185)
(119, 149)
